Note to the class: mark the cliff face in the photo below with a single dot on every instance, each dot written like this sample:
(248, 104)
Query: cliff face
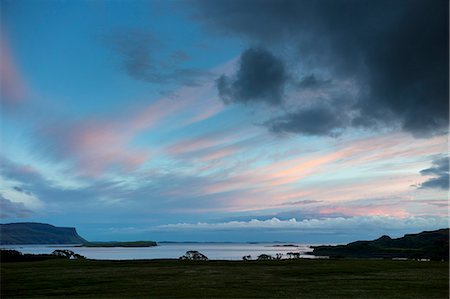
(38, 233)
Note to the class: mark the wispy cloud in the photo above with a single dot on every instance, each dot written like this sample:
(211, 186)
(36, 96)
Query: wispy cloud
(96, 145)
(329, 169)
(14, 195)
(13, 87)
(211, 145)
(136, 49)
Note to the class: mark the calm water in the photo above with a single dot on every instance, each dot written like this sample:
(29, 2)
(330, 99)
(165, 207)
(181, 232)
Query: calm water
(215, 251)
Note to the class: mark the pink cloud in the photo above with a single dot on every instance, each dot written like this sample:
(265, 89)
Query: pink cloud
(13, 87)
(370, 210)
(389, 170)
(214, 108)
(197, 144)
(188, 104)
(149, 116)
(28, 169)
(210, 146)
(220, 153)
(96, 145)
(99, 146)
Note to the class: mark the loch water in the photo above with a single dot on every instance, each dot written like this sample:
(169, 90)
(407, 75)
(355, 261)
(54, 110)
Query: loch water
(214, 251)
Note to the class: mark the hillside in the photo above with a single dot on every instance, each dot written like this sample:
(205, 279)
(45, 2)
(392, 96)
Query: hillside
(428, 244)
(38, 233)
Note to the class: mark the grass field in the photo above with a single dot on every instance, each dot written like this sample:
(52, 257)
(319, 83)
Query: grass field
(225, 279)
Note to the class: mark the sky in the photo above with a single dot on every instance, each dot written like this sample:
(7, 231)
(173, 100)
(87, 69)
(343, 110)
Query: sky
(307, 121)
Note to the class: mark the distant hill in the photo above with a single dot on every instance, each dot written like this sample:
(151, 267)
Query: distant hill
(428, 244)
(120, 244)
(38, 233)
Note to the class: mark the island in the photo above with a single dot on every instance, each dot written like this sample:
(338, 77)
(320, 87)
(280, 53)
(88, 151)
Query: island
(285, 245)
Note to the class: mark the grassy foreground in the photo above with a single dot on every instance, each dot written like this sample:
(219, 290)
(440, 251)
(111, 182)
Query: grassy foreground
(225, 279)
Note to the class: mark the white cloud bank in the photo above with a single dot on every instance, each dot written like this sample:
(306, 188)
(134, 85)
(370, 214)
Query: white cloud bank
(325, 224)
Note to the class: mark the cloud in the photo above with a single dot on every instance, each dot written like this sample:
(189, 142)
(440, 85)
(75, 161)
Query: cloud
(337, 224)
(97, 144)
(17, 196)
(196, 144)
(138, 53)
(440, 173)
(94, 146)
(261, 77)
(110, 142)
(301, 202)
(10, 209)
(319, 120)
(161, 190)
(311, 81)
(12, 86)
(212, 146)
(20, 189)
(235, 182)
(396, 53)
(312, 230)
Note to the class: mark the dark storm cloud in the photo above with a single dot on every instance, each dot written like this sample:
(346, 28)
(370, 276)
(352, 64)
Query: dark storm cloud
(138, 53)
(397, 51)
(311, 121)
(261, 77)
(440, 173)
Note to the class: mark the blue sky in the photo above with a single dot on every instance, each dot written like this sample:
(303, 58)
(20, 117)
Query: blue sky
(225, 120)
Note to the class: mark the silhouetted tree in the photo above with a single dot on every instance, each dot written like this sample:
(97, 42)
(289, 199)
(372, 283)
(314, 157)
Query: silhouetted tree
(194, 256)
(293, 255)
(264, 257)
(67, 254)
